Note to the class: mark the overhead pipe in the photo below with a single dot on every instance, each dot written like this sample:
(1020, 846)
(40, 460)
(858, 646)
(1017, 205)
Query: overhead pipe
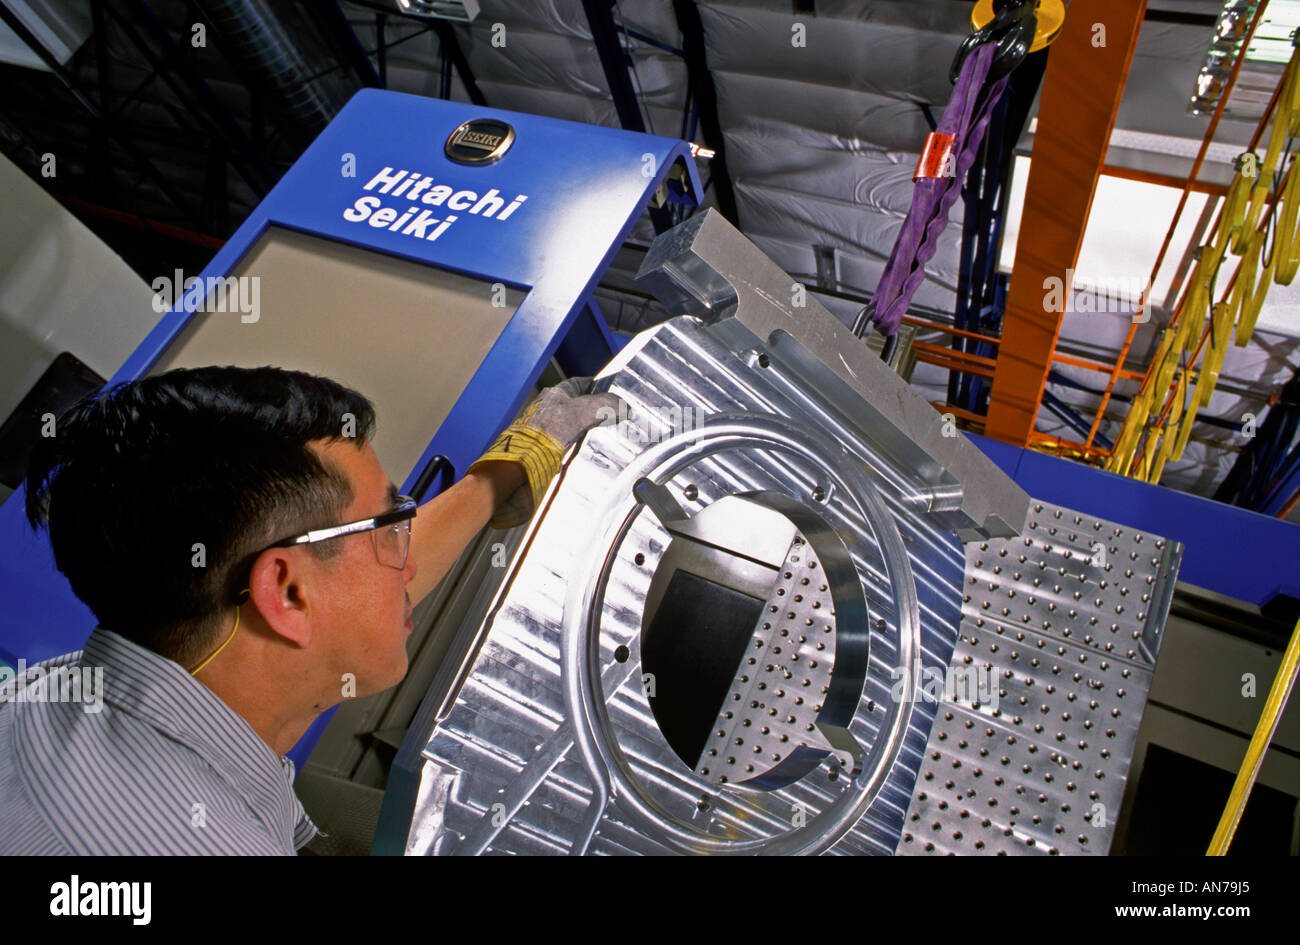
(261, 35)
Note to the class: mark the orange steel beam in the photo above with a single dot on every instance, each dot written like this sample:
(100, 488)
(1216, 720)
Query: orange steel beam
(959, 366)
(958, 412)
(1086, 71)
(1056, 442)
(948, 329)
(954, 360)
(950, 354)
(1059, 357)
(1062, 358)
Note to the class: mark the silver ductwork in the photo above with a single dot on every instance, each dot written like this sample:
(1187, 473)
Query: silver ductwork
(266, 39)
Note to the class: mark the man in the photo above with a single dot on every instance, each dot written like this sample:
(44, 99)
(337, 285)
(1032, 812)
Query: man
(248, 563)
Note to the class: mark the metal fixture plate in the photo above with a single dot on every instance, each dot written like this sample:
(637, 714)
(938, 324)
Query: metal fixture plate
(779, 688)
(1069, 618)
(548, 744)
(547, 739)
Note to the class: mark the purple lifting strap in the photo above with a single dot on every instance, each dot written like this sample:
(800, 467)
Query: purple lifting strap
(967, 116)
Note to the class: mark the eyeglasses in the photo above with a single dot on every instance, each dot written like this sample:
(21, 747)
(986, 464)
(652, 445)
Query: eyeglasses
(390, 532)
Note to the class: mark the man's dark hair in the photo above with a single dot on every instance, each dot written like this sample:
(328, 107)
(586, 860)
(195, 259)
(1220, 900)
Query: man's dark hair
(139, 475)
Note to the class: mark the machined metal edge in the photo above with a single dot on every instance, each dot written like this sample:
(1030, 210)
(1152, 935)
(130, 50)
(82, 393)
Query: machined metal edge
(707, 268)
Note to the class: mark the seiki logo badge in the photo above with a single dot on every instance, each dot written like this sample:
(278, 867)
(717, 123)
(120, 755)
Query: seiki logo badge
(481, 141)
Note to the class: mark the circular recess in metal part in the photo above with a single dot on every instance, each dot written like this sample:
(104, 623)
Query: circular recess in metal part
(651, 789)
(756, 634)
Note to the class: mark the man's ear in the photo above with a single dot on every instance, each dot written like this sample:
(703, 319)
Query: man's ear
(278, 589)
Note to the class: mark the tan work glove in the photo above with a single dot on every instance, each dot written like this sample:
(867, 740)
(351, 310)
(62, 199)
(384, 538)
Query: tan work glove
(539, 438)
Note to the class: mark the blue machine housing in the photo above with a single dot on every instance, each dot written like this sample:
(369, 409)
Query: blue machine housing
(584, 186)
(1228, 550)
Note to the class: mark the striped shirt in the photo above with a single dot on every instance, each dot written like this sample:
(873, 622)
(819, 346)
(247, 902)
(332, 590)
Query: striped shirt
(160, 766)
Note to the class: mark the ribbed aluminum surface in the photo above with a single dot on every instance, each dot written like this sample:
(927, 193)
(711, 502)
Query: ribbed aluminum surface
(547, 742)
(525, 761)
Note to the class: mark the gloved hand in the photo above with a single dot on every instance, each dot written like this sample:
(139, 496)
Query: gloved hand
(539, 438)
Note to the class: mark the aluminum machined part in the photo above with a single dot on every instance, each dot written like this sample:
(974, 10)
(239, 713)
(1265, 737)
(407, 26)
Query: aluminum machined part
(549, 742)
(598, 740)
(1068, 617)
(707, 268)
(763, 445)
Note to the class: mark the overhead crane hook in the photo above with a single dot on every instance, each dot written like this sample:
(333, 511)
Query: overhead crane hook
(1019, 27)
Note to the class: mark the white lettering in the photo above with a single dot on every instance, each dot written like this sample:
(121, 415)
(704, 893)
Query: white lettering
(514, 205)
(436, 195)
(125, 899)
(361, 209)
(387, 178)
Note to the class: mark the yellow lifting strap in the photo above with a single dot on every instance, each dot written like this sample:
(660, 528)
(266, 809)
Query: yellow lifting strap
(1286, 246)
(1234, 208)
(1173, 433)
(1127, 443)
(1284, 120)
(1050, 14)
(1276, 249)
(1253, 302)
(1167, 364)
(1237, 232)
(1179, 444)
(1264, 730)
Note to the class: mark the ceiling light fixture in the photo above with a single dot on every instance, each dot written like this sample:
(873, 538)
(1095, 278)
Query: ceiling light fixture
(462, 11)
(1271, 45)
(1229, 36)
